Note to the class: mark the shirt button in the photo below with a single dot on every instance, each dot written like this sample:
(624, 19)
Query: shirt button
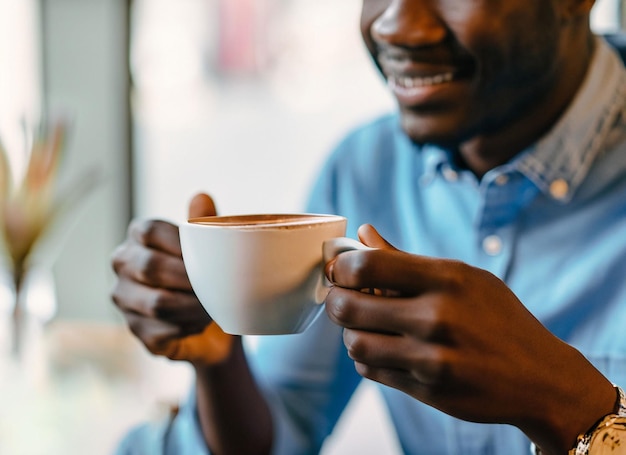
(492, 245)
(559, 189)
(502, 179)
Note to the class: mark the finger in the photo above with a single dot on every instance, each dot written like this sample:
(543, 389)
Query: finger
(153, 333)
(151, 267)
(177, 308)
(428, 363)
(398, 379)
(201, 205)
(422, 317)
(431, 393)
(381, 350)
(156, 234)
(368, 235)
(361, 311)
(394, 270)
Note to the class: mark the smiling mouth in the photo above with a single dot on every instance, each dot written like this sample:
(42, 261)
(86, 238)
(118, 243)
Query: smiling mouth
(408, 84)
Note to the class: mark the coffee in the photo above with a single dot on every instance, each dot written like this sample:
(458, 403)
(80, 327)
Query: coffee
(263, 220)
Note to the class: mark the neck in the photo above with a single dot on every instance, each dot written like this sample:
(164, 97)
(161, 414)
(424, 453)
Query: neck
(486, 151)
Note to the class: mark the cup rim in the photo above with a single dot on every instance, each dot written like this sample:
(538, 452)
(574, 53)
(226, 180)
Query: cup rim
(265, 220)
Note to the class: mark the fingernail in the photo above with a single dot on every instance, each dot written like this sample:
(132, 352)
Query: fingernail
(329, 270)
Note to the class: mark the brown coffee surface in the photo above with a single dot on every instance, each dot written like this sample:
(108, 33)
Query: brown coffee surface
(257, 220)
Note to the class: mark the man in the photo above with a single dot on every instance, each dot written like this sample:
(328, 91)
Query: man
(496, 203)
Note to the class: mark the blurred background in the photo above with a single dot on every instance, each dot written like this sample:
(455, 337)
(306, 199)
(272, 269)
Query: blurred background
(239, 98)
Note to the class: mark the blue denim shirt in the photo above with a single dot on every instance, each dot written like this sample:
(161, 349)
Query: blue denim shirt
(551, 223)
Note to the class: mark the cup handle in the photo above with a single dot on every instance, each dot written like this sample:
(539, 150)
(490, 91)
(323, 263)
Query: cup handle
(331, 248)
(338, 245)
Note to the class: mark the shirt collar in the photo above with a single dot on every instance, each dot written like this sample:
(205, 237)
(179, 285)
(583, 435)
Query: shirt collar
(559, 162)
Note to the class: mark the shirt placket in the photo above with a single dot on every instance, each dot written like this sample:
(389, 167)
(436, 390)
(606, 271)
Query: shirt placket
(504, 194)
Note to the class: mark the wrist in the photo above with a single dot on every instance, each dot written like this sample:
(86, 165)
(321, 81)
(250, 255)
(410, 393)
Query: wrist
(219, 354)
(210, 347)
(603, 432)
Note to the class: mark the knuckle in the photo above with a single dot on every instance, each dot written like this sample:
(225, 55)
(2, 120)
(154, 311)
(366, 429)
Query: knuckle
(364, 370)
(456, 274)
(146, 333)
(143, 230)
(151, 341)
(121, 294)
(158, 305)
(117, 297)
(339, 306)
(357, 350)
(362, 264)
(135, 229)
(152, 344)
(438, 332)
(136, 328)
(436, 323)
(150, 267)
(353, 267)
(434, 368)
(118, 258)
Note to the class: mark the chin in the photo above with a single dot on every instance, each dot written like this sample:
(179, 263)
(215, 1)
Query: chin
(434, 129)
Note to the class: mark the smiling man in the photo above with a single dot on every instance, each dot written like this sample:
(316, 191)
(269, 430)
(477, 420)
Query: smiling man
(482, 76)
(495, 203)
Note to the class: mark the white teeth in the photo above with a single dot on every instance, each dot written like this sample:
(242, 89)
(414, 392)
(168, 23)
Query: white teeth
(405, 82)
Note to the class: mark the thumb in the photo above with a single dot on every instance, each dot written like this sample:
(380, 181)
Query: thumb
(369, 236)
(201, 205)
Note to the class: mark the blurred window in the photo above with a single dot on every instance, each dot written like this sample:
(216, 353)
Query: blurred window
(20, 73)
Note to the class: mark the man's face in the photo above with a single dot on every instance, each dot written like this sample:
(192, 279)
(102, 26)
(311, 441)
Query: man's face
(461, 68)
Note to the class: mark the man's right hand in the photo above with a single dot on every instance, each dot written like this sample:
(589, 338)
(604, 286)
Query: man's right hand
(154, 294)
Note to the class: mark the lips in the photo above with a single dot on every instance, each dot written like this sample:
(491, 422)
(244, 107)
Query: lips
(426, 76)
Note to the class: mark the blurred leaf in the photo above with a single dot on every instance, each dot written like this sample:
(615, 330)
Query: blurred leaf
(32, 204)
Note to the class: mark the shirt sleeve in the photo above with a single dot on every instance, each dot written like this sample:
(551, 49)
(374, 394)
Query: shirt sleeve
(307, 379)
(179, 435)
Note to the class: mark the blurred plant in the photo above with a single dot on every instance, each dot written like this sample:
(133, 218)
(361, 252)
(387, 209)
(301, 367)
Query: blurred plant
(32, 203)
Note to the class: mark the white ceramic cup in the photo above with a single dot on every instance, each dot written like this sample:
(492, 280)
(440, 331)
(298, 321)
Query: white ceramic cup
(259, 274)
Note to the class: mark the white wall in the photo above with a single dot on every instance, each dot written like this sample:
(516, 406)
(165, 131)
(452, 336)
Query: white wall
(253, 142)
(20, 84)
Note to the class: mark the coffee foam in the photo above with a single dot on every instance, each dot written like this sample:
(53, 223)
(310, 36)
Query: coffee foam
(255, 221)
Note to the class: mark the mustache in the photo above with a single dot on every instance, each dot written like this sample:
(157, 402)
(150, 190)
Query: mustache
(435, 55)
